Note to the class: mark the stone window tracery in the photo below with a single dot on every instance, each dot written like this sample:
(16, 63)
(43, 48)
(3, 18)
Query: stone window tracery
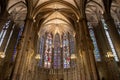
(56, 50)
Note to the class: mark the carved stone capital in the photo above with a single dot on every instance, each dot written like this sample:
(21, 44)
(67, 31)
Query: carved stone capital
(30, 19)
(82, 19)
(107, 17)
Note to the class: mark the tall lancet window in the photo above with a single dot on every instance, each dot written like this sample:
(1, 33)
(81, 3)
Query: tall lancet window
(109, 39)
(72, 44)
(41, 49)
(72, 49)
(57, 51)
(66, 52)
(96, 50)
(18, 38)
(48, 50)
(4, 31)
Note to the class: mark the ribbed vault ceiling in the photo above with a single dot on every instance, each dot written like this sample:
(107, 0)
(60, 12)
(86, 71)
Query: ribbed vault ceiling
(55, 21)
(95, 8)
(59, 10)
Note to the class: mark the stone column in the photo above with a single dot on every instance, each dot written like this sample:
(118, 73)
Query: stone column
(6, 69)
(5, 40)
(22, 49)
(111, 25)
(104, 48)
(82, 73)
(113, 32)
(86, 51)
(3, 19)
(89, 52)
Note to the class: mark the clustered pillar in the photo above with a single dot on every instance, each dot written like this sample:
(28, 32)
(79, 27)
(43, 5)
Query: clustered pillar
(106, 62)
(85, 49)
(23, 51)
(113, 32)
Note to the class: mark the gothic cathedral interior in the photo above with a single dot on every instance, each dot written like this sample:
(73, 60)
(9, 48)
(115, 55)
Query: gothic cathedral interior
(59, 39)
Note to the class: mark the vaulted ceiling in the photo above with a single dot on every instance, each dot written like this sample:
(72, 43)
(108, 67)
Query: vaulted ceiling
(95, 8)
(59, 11)
(58, 15)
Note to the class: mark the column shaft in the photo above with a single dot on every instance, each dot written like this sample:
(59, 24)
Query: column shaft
(87, 47)
(104, 47)
(113, 32)
(21, 51)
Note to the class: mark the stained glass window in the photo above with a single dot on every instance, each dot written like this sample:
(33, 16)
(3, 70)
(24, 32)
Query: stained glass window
(96, 50)
(48, 51)
(57, 51)
(4, 31)
(72, 44)
(66, 53)
(72, 50)
(41, 50)
(109, 39)
(18, 38)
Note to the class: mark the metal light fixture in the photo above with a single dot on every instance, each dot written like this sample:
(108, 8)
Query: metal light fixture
(109, 55)
(2, 55)
(73, 56)
(37, 57)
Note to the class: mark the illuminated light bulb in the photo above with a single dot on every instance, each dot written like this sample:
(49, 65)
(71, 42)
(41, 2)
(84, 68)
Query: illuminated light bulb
(37, 56)
(2, 55)
(109, 55)
(73, 56)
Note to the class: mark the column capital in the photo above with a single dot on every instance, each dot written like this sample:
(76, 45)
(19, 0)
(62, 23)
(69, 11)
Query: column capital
(107, 17)
(30, 19)
(82, 19)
